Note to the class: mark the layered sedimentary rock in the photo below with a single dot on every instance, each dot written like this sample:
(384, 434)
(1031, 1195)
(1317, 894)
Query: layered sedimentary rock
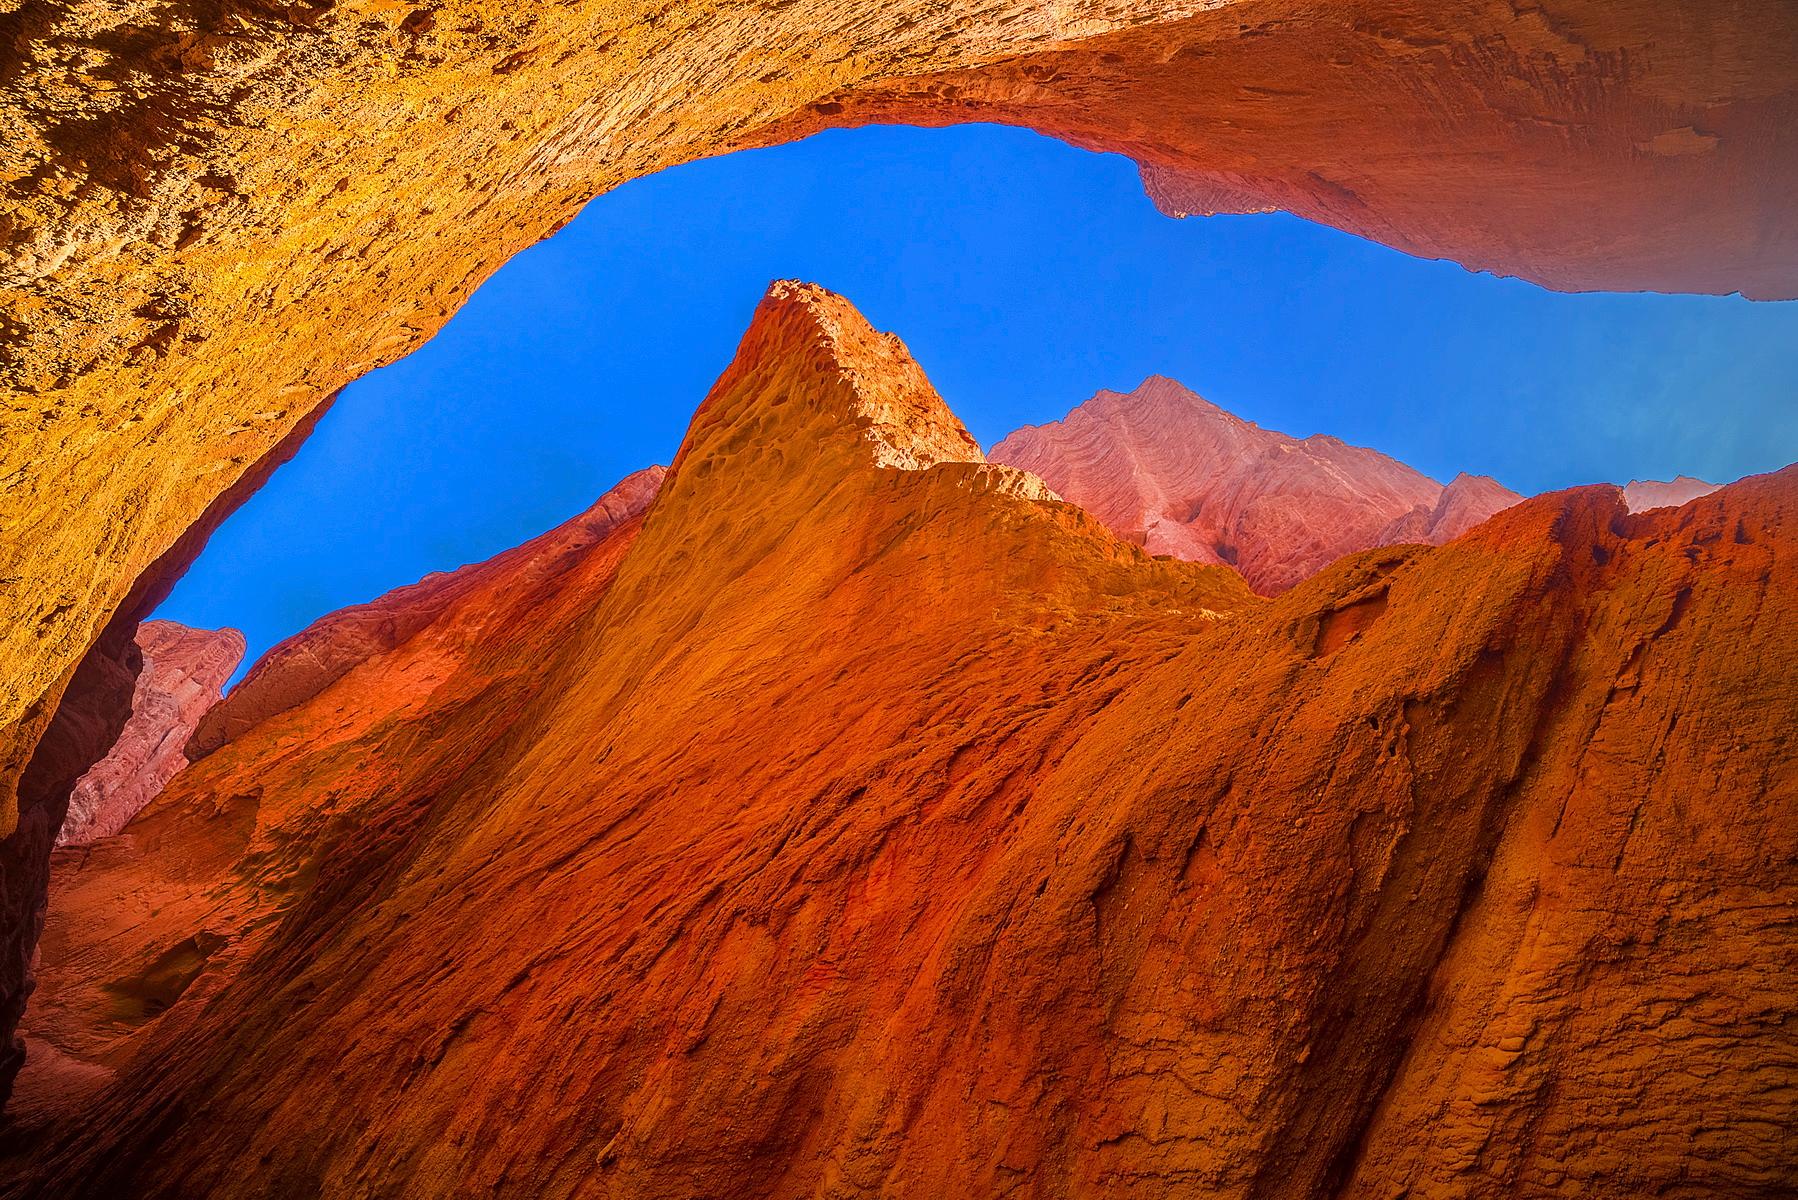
(1464, 503)
(1643, 494)
(65, 733)
(1178, 475)
(311, 661)
(181, 678)
(864, 820)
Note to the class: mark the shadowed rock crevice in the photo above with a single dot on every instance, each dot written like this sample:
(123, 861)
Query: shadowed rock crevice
(93, 709)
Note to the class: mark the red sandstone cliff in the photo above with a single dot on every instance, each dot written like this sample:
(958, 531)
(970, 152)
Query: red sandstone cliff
(864, 821)
(1178, 475)
(309, 662)
(182, 674)
(192, 269)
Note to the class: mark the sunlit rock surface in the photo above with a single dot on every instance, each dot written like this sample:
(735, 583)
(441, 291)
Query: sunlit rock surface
(311, 661)
(379, 699)
(180, 680)
(217, 214)
(1465, 502)
(1178, 475)
(865, 821)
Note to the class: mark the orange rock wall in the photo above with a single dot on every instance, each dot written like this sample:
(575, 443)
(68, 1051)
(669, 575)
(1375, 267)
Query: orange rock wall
(220, 213)
(872, 823)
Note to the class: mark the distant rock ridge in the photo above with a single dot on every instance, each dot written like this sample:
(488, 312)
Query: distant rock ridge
(183, 672)
(1465, 502)
(310, 661)
(1644, 494)
(1179, 475)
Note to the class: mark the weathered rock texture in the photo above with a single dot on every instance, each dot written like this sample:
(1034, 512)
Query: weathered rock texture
(311, 661)
(219, 212)
(91, 706)
(182, 673)
(1178, 475)
(864, 821)
(393, 695)
(1465, 502)
(1644, 494)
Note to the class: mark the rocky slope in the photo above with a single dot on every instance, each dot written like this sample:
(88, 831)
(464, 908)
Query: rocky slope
(181, 678)
(865, 821)
(1644, 494)
(1178, 475)
(217, 214)
(192, 885)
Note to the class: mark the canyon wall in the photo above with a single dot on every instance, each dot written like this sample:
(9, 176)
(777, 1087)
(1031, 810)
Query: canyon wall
(386, 698)
(218, 213)
(1176, 474)
(863, 820)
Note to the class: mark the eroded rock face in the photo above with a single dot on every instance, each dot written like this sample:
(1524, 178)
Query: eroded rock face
(219, 213)
(1178, 475)
(180, 680)
(1464, 503)
(1644, 494)
(866, 821)
(312, 660)
(376, 700)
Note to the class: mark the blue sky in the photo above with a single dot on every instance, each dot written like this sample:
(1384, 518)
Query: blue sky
(1024, 275)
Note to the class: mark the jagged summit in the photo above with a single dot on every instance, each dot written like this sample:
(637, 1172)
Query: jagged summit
(807, 343)
(1179, 475)
(1644, 494)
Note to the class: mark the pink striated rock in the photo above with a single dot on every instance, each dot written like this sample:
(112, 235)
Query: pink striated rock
(1465, 502)
(1180, 476)
(183, 672)
(1644, 494)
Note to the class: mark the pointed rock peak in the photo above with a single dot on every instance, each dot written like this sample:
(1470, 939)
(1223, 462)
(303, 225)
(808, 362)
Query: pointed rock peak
(1465, 486)
(1466, 502)
(811, 369)
(1160, 390)
(1163, 390)
(1157, 403)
